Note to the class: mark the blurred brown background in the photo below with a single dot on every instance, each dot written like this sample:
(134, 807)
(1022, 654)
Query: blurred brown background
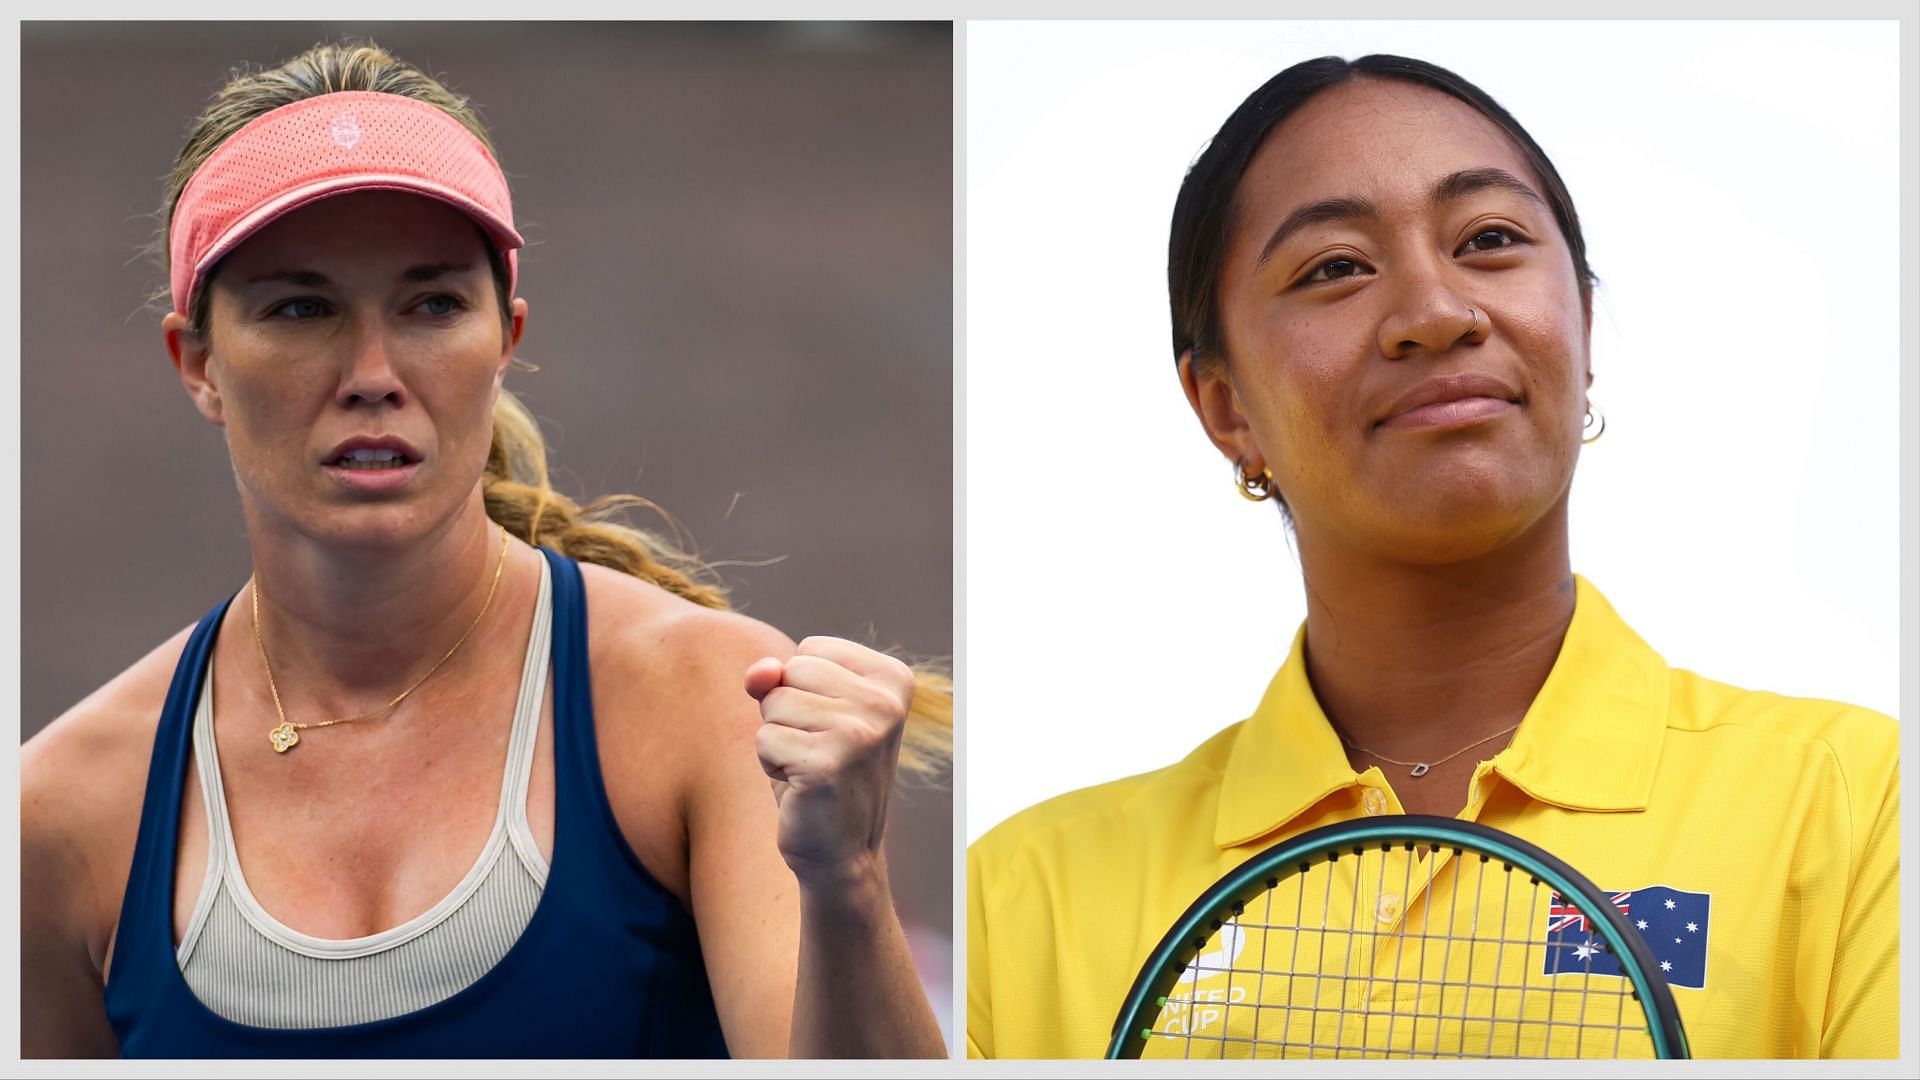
(740, 280)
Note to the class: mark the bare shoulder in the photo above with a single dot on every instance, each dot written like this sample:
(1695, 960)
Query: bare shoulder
(82, 781)
(671, 713)
(666, 652)
(95, 754)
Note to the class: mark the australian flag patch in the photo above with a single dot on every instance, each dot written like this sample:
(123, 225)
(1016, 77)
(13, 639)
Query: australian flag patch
(1672, 922)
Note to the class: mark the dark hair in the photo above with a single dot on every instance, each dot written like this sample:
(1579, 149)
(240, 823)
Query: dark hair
(1203, 214)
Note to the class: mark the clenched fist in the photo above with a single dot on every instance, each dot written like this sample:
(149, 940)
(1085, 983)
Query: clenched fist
(833, 716)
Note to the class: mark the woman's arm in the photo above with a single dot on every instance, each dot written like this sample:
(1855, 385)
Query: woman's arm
(62, 814)
(62, 1011)
(83, 781)
(1863, 997)
(833, 718)
(804, 961)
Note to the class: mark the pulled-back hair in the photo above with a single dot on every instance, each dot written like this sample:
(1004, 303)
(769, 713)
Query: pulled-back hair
(518, 491)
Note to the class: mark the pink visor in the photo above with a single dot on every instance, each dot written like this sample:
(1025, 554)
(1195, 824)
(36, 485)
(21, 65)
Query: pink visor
(330, 145)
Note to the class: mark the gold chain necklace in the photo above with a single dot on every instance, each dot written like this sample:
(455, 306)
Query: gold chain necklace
(287, 735)
(1420, 768)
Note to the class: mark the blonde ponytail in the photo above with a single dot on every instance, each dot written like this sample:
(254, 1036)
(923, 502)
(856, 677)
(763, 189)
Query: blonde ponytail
(520, 497)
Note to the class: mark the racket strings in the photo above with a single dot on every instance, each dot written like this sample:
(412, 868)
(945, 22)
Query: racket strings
(1458, 960)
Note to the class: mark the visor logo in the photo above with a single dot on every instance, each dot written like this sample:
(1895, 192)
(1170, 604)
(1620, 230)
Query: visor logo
(346, 130)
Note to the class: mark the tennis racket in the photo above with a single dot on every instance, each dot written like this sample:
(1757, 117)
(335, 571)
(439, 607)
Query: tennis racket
(1393, 937)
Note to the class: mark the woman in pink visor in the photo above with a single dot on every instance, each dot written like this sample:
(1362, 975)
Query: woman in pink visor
(464, 769)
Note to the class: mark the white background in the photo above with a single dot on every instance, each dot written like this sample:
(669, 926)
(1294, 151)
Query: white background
(1738, 187)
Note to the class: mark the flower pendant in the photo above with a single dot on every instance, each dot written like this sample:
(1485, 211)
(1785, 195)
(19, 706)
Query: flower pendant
(283, 738)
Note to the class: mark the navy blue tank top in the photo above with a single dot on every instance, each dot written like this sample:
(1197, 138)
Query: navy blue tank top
(608, 967)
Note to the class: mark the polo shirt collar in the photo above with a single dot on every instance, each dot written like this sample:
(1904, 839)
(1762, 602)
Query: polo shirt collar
(1590, 740)
(1285, 759)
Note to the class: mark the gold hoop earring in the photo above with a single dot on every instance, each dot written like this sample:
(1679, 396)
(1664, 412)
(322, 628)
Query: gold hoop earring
(1596, 423)
(1252, 488)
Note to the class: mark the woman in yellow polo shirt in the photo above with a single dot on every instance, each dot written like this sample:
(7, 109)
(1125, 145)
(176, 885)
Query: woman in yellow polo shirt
(1382, 310)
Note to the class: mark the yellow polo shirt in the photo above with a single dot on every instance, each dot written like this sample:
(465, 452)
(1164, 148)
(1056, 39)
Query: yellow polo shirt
(1780, 813)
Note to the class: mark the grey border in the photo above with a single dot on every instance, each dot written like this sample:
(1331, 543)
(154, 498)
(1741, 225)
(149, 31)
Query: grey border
(10, 548)
(1909, 524)
(958, 933)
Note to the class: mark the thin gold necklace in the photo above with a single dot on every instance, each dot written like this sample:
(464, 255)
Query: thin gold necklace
(287, 735)
(1420, 768)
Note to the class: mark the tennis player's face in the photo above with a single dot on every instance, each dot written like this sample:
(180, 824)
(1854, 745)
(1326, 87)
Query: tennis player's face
(1369, 226)
(356, 353)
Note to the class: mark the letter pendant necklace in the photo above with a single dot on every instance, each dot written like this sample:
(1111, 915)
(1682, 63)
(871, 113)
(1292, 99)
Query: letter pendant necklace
(287, 736)
(1421, 768)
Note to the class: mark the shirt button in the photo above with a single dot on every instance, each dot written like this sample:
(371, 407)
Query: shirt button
(1388, 909)
(1375, 802)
